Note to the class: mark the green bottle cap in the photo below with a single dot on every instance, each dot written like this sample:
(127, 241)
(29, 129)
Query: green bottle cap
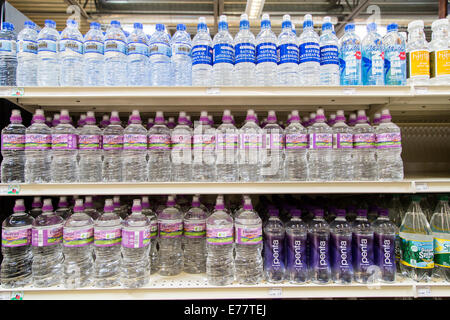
(443, 197)
(416, 198)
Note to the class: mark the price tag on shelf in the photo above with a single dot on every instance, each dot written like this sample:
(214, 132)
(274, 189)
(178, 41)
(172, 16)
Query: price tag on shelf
(349, 91)
(17, 92)
(423, 291)
(5, 295)
(13, 189)
(213, 91)
(421, 90)
(275, 292)
(421, 186)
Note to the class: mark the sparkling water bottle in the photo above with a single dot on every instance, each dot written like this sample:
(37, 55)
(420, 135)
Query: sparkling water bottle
(89, 146)
(440, 226)
(296, 248)
(181, 57)
(13, 150)
(417, 54)
(48, 64)
(329, 55)
(288, 54)
(89, 208)
(364, 154)
(245, 54)
(71, 55)
(16, 266)
(342, 155)
(159, 150)
(27, 47)
(202, 56)
(320, 151)
(94, 60)
(160, 53)
(309, 63)
(296, 163)
(384, 246)
(115, 56)
(363, 248)
(272, 151)
(137, 57)
(36, 207)
(350, 57)
(250, 144)
(266, 54)
(372, 57)
(223, 58)
(181, 153)
(154, 251)
(227, 141)
(394, 57)
(112, 150)
(64, 166)
(8, 56)
(204, 150)
(341, 249)
(64, 211)
(319, 255)
(135, 167)
(439, 48)
(274, 248)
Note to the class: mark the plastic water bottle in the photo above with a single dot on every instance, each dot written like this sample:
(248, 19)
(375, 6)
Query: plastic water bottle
(329, 55)
(274, 248)
(89, 145)
(342, 155)
(160, 55)
(296, 163)
(13, 150)
(341, 249)
(135, 167)
(64, 211)
(159, 150)
(372, 57)
(115, 56)
(296, 248)
(135, 268)
(227, 142)
(288, 54)
(417, 54)
(204, 150)
(363, 248)
(64, 166)
(36, 207)
(364, 155)
(71, 55)
(27, 47)
(319, 254)
(78, 237)
(440, 226)
(350, 57)
(384, 247)
(250, 144)
(394, 57)
(137, 57)
(272, 151)
(181, 57)
(16, 266)
(202, 56)
(223, 55)
(219, 246)
(439, 47)
(46, 240)
(112, 150)
(48, 65)
(94, 60)
(154, 251)
(8, 56)
(170, 226)
(89, 208)
(266, 54)
(105, 121)
(320, 151)
(181, 153)
(309, 69)
(48, 121)
(245, 54)
(121, 210)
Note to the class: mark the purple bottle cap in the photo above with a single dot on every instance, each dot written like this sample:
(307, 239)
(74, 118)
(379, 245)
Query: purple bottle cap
(340, 118)
(171, 203)
(135, 118)
(272, 118)
(15, 117)
(219, 206)
(227, 118)
(88, 205)
(108, 209)
(340, 212)
(294, 118)
(362, 212)
(383, 212)
(136, 208)
(47, 208)
(320, 118)
(19, 208)
(39, 118)
(78, 208)
(195, 204)
(36, 204)
(159, 119)
(318, 212)
(63, 204)
(273, 212)
(90, 120)
(182, 120)
(114, 119)
(361, 119)
(296, 212)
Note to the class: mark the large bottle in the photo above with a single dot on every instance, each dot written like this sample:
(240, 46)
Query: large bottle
(154, 250)
(287, 51)
(417, 54)
(94, 61)
(48, 64)
(89, 146)
(135, 268)
(350, 57)
(36, 207)
(16, 266)
(439, 50)
(137, 57)
(363, 248)
(329, 55)
(296, 248)
(296, 163)
(202, 56)
(223, 55)
(46, 239)
(64, 211)
(26, 73)
(159, 150)
(227, 141)
(341, 249)
(13, 150)
(160, 53)
(115, 55)
(372, 57)
(135, 166)
(309, 52)
(266, 54)
(181, 153)
(364, 154)
(78, 237)
(245, 54)
(319, 246)
(394, 57)
(272, 151)
(170, 226)
(8, 55)
(71, 55)
(342, 149)
(181, 57)
(250, 144)
(64, 166)
(219, 246)
(274, 248)
(204, 150)
(385, 232)
(112, 150)
(440, 226)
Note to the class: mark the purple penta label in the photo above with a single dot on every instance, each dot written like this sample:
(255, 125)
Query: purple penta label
(296, 253)
(251, 141)
(205, 142)
(64, 141)
(384, 252)
(319, 258)
(273, 141)
(107, 237)
(38, 141)
(362, 252)
(47, 237)
(89, 142)
(16, 237)
(248, 235)
(13, 142)
(321, 141)
(159, 142)
(364, 140)
(389, 140)
(172, 229)
(181, 141)
(274, 252)
(135, 142)
(296, 141)
(78, 238)
(135, 239)
(343, 141)
(226, 141)
(219, 236)
(341, 253)
(112, 142)
(195, 229)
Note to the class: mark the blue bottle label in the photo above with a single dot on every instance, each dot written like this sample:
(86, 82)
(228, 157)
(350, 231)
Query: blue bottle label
(74, 45)
(47, 45)
(115, 46)
(223, 53)
(181, 48)
(287, 53)
(7, 45)
(137, 48)
(266, 52)
(309, 52)
(161, 48)
(245, 52)
(395, 66)
(329, 55)
(94, 47)
(373, 67)
(202, 54)
(27, 46)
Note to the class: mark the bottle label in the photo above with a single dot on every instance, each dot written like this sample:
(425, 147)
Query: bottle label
(266, 52)
(296, 141)
(329, 55)
(47, 45)
(170, 229)
(93, 48)
(219, 236)
(181, 142)
(342, 141)
(225, 141)
(160, 48)
(309, 52)
(202, 54)
(417, 254)
(13, 141)
(389, 140)
(274, 252)
(107, 238)
(16, 238)
(251, 141)
(287, 53)
(181, 48)
(248, 235)
(159, 142)
(395, 65)
(319, 252)
(206, 142)
(442, 252)
(89, 142)
(418, 63)
(7, 46)
(350, 63)
(153, 229)
(296, 253)
(273, 141)
(321, 141)
(439, 63)
(364, 140)
(195, 229)
(46, 237)
(64, 141)
(78, 238)
(114, 47)
(385, 252)
(245, 52)
(223, 53)
(362, 252)
(135, 239)
(38, 141)
(341, 253)
(112, 142)
(373, 65)
(134, 142)
(27, 46)
(71, 45)
(137, 48)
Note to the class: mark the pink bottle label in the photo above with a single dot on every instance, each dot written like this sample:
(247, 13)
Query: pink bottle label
(195, 229)
(38, 141)
(16, 238)
(13, 142)
(321, 141)
(364, 140)
(226, 141)
(159, 142)
(135, 239)
(153, 229)
(181, 141)
(205, 142)
(273, 141)
(296, 141)
(78, 238)
(170, 229)
(220, 236)
(107, 238)
(247, 235)
(251, 141)
(89, 142)
(64, 142)
(46, 237)
(343, 141)
(112, 142)
(135, 142)
(389, 140)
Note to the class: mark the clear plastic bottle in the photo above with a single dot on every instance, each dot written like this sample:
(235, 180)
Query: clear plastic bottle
(288, 54)
(223, 55)
(342, 156)
(417, 54)
(385, 232)
(440, 226)
(363, 248)
(48, 64)
(204, 150)
(71, 55)
(352, 120)
(309, 70)
(160, 55)
(439, 50)
(112, 141)
(296, 163)
(341, 249)
(329, 55)
(135, 268)
(266, 54)
(202, 56)
(296, 248)
(115, 55)
(105, 121)
(227, 141)
(46, 240)
(181, 153)
(13, 150)
(89, 146)
(89, 208)
(8, 55)
(350, 57)
(121, 210)
(245, 54)
(272, 151)
(394, 57)
(364, 154)
(154, 249)
(372, 57)
(181, 57)
(137, 57)
(64, 211)
(170, 226)
(78, 237)
(36, 207)
(250, 144)
(159, 162)
(64, 166)
(135, 166)
(319, 254)
(274, 248)
(94, 61)
(27, 46)
(16, 266)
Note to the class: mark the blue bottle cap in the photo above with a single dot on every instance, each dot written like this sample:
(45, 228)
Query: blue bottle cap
(138, 25)
(181, 27)
(371, 27)
(244, 24)
(308, 24)
(30, 24)
(115, 23)
(350, 27)
(160, 27)
(50, 23)
(286, 24)
(223, 25)
(95, 25)
(71, 22)
(265, 24)
(327, 26)
(202, 26)
(392, 27)
(7, 26)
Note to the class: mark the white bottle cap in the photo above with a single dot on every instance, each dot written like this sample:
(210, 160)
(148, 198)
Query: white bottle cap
(226, 112)
(219, 201)
(15, 112)
(439, 23)
(82, 116)
(63, 199)
(250, 112)
(172, 119)
(333, 116)
(150, 120)
(340, 113)
(312, 115)
(36, 199)
(271, 113)
(307, 17)
(210, 117)
(116, 198)
(105, 117)
(265, 16)
(159, 114)
(223, 18)
(39, 112)
(294, 113)
(385, 112)
(306, 118)
(202, 20)
(78, 202)
(136, 202)
(188, 117)
(145, 199)
(135, 113)
(56, 116)
(171, 198)
(64, 112)
(326, 19)
(90, 114)
(286, 17)
(88, 199)
(415, 24)
(114, 114)
(182, 114)
(48, 119)
(47, 202)
(361, 113)
(353, 116)
(195, 198)
(244, 16)
(377, 116)
(204, 114)
(320, 112)
(19, 202)
(108, 202)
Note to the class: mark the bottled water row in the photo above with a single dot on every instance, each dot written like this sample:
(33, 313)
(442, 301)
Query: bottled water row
(319, 152)
(113, 58)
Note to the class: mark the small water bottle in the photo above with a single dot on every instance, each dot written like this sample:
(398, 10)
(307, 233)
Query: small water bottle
(319, 255)
(341, 249)
(394, 57)
(48, 51)
(160, 55)
(89, 146)
(309, 62)
(94, 60)
(181, 57)
(71, 55)
(27, 47)
(350, 57)
(135, 166)
(372, 57)
(266, 54)
(8, 55)
(137, 57)
(13, 150)
(288, 54)
(223, 58)
(245, 54)
(112, 141)
(296, 248)
(329, 55)
(115, 55)
(274, 248)
(202, 56)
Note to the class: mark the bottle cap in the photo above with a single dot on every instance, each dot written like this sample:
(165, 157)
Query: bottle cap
(64, 116)
(114, 117)
(116, 201)
(320, 115)
(95, 25)
(296, 212)
(30, 24)
(271, 117)
(286, 24)
(36, 202)
(115, 23)
(138, 25)
(145, 202)
(383, 212)
(295, 116)
(318, 212)
(50, 23)
(371, 27)
(90, 117)
(248, 204)
(196, 201)
(223, 24)
(160, 27)
(392, 27)
(181, 27)
(226, 118)
(439, 23)
(361, 212)
(415, 24)
(79, 207)
(244, 23)
(202, 24)
(109, 207)
(340, 212)
(63, 202)
(349, 27)
(265, 21)
(19, 206)
(362, 118)
(171, 201)
(135, 117)
(137, 207)
(72, 23)
(307, 21)
(385, 115)
(219, 203)
(47, 207)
